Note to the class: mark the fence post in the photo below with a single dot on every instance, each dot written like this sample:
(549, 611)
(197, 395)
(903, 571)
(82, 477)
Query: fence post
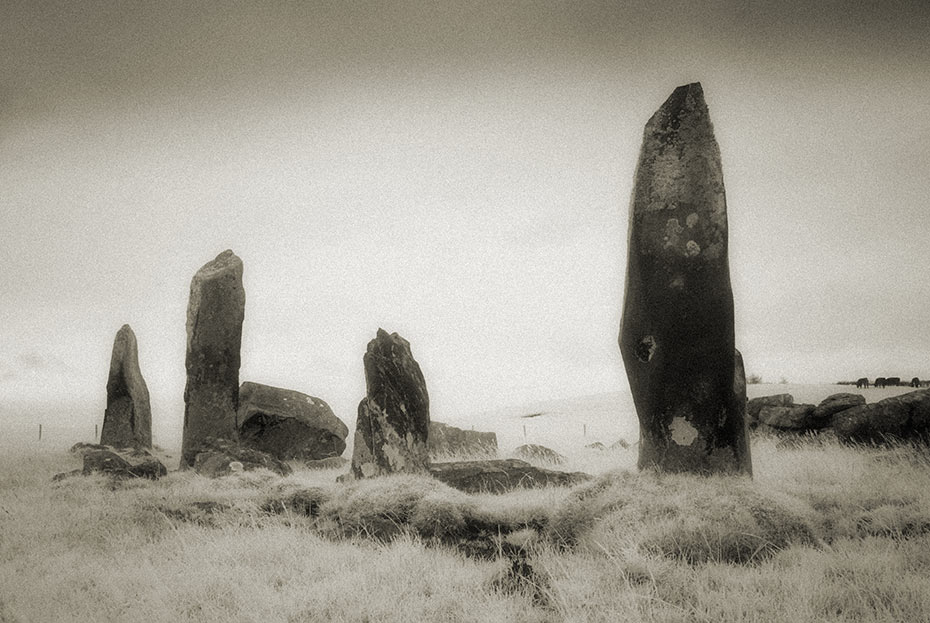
(96, 437)
(524, 432)
(40, 432)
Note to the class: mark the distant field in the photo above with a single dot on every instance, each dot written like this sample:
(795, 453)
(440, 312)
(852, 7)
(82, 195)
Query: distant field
(566, 425)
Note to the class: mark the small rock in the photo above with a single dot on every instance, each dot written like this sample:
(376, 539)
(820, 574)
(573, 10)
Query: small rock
(597, 445)
(108, 462)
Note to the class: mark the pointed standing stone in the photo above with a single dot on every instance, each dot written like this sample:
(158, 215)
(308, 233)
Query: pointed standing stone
(677, 336)
(127, 421)
(214, 335)
(393, 420)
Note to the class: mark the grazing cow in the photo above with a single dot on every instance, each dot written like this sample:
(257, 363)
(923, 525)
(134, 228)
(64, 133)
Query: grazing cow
(915, 382)
(892, 381)
(863, 382)
(880, 381)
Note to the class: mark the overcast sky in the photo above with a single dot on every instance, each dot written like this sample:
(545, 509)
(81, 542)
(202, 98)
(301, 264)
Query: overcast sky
(457, 172)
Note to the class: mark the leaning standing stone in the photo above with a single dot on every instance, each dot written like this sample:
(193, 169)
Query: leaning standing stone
(677, 336)
(127, 421)
(393, 419)
(214, 334)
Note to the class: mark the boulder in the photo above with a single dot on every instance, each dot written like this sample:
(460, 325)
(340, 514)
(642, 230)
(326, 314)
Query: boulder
(833, 404)
(127, 420)
(122, 466)
(288, 424)
(448, 440)
(754, 406)
(904, 417)
(500, 475)
(221, 457)
(536, 452)
(677, 333)
(392, 429)
(214, 334)
(794, 417)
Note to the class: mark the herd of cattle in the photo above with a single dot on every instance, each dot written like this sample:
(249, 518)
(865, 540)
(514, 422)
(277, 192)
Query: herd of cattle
(891, 381)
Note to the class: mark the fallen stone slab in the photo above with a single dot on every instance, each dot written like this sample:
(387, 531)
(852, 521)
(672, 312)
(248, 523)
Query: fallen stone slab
(288, 424)
(905, 417)
(500, 475)
(833, 404)
(446, 440)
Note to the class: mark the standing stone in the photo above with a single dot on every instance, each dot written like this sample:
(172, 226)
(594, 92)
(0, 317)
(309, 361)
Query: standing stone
(393, 419)
(676, 336)
(214, 334)
(127, 421)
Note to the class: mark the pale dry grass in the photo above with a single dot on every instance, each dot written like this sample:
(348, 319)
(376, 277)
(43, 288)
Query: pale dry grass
(823, 533)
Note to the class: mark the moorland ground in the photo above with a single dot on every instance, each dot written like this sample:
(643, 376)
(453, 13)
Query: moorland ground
(823, 532)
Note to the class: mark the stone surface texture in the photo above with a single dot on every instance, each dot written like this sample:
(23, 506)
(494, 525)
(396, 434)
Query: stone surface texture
(221, 457)
(288, 424)
(127, 421)
(118, 465)
(793, 417)
(677, 334)
(833, 404)
(449, 440)
(904, 417)
(214, 335)
(500, 475)
(755, 405)
(392, 430)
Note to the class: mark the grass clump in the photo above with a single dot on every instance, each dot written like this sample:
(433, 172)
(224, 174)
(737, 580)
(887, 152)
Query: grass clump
(691, 518)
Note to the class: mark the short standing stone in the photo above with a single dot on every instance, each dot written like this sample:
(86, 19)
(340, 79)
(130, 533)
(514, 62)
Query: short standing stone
(393, 419)
(677, 334)
(288, 424)
(214, 335)
(127, 421)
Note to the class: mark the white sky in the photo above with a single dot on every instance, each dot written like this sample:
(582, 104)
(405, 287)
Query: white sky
(456, 172)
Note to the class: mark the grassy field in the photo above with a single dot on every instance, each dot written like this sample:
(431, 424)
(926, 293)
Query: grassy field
(823, 533)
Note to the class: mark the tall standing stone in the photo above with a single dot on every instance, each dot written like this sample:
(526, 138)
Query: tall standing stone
(676, 335)
(214, 335)
(392, 429)
(127, 421)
